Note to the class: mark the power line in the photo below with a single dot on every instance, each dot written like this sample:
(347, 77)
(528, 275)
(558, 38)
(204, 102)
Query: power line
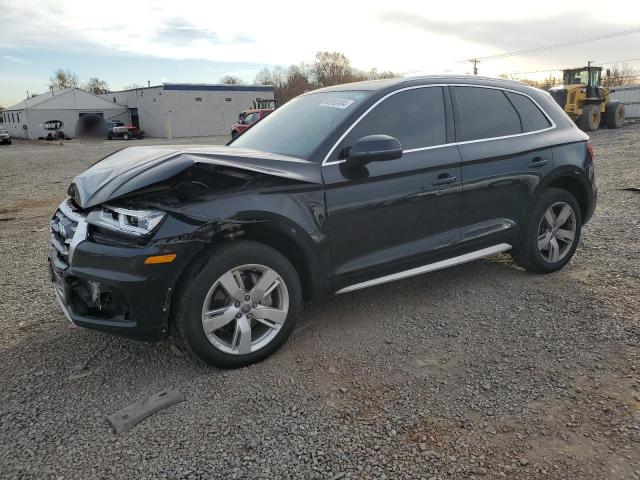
(611, 62)
(568, 43)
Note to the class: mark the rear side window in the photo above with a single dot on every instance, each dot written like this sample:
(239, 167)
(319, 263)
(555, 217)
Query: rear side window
(486, 113)
(532, 118)
(415, 117)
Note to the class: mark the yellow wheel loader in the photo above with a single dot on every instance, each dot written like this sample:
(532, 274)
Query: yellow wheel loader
(586, 101)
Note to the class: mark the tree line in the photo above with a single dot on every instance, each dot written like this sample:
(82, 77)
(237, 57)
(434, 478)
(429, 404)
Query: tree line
(327, 69)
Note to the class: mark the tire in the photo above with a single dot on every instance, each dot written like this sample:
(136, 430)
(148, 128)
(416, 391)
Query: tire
(614, 115)
(202, 290)
(589, 121)
(234, 135)
(125, 136)
(527, 253)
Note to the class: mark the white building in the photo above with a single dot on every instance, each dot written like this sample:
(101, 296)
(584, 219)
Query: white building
(188, 110)
(31, 117)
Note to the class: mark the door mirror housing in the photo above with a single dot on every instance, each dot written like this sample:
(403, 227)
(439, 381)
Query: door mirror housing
(373, 148)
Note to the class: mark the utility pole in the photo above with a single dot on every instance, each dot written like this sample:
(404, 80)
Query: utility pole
(475, 62)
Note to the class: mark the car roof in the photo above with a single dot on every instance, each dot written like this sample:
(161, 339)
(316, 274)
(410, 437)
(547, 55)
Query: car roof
(375, 85)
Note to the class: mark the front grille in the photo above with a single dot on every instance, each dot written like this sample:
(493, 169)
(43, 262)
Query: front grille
(63, 227)
(559, 96)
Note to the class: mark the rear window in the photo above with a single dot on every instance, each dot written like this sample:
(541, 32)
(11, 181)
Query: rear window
(532, 117)
(486, 113)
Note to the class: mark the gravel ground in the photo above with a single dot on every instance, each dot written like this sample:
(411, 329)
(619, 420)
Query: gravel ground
(478, 371)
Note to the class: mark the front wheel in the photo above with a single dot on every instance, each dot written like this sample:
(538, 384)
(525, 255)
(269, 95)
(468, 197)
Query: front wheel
(126, 136)
(550, 233)
(239, 305)
(234, 135)
(589, 121)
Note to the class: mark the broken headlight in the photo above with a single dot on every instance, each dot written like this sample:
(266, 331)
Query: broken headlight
(133, 222)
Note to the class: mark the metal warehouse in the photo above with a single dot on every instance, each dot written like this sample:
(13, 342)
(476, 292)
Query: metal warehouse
(630, 96)
(188, 110)
(60, 110)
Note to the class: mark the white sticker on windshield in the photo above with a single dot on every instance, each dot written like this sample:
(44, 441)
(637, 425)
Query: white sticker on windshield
(341, 103)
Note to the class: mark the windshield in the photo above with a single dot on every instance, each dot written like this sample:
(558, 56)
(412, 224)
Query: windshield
(576, 77)
(299, 127)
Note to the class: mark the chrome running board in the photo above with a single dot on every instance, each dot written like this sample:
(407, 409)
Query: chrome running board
(467, 257)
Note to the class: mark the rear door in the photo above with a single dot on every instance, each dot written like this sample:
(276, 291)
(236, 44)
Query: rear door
(388, 217)
(504, 157)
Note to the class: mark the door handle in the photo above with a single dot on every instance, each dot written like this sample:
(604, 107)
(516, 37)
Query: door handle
(444, 179)
(538, 162)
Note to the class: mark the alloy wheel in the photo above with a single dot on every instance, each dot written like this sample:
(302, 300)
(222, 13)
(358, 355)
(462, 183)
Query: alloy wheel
(245, 309)
(556, 232)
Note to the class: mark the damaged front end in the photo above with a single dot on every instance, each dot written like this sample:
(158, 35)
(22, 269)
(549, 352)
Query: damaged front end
(116, 263)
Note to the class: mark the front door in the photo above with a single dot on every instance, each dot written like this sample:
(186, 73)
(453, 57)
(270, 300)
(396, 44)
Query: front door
(389, 217)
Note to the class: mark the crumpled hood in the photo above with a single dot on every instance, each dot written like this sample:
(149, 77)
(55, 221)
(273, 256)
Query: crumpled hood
(136, 167)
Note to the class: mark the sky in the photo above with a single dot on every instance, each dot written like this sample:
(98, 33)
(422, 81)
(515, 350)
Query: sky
(201, 41)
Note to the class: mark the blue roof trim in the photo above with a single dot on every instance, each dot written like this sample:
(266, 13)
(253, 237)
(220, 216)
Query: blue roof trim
(218, 88)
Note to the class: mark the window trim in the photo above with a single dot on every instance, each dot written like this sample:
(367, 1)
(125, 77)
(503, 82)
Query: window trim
(326, 161)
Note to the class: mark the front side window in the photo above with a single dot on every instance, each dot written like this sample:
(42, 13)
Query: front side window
(300, 126)
(415, 117)
(485, 113)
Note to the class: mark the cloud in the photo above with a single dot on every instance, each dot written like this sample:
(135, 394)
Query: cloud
(13, 59)
(180, 31)
(509, 35)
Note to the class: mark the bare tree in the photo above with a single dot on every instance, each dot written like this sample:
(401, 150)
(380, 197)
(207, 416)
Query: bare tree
(264, 77)
(620, 76)
(545, 84)
(96, 86)
(231, 80)
(331, 68)
(62, 79)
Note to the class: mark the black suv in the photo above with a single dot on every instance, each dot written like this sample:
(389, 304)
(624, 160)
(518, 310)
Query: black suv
(340, 189)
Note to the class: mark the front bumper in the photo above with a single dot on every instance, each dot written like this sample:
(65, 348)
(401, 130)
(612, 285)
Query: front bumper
(109, 287)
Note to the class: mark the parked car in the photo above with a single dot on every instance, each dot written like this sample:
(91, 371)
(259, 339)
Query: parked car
(117, 129)
(247, 118)
(5, 138)
(340, 189)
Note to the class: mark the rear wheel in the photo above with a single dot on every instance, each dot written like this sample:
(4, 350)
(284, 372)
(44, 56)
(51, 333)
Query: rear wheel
(240, 305)
(614, 115)
(550, 233)
(234, 135)
(590, 118)
(126, 136)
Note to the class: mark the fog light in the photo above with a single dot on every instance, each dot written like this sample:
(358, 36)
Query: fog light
(155, 259)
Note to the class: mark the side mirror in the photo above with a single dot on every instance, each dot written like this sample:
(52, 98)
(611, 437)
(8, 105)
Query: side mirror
(373, 148)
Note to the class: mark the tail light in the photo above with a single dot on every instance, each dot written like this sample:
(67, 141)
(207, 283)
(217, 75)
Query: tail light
(591, 152)
(589, 162)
